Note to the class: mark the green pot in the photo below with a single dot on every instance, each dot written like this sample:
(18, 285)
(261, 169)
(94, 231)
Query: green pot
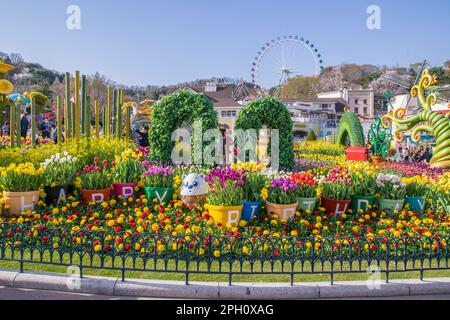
(391, 205)
(362, 203)
(163, 195)
(416, 204)
(307, 204)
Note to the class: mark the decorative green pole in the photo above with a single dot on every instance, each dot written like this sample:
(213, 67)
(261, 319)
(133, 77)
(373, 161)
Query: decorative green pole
(114, 124)
(67, 108)
(33, 120)
(119, 114)
(77, 106)
(107, 122)
(83, 104)
(87, 117)
(72, 119)
(19, 126)
(12, 124)
(128, 121)
(97, 118)
(59, 118)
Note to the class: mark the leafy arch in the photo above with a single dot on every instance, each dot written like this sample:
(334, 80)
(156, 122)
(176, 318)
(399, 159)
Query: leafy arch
(273, 114)
(350, 127)
(171, 112)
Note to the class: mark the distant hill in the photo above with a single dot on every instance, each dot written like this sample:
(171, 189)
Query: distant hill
(33, 76)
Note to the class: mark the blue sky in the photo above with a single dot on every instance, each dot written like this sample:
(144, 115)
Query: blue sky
(140, 42)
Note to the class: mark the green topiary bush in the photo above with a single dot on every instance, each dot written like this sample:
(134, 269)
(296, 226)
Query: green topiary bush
(273, 114)
(170, 113)
(311, 136)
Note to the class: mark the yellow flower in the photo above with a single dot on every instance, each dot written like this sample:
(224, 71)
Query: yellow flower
(217, 253)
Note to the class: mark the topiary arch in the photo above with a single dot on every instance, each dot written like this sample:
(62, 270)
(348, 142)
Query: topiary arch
(350, 127)
(273, 114)
(170, 113)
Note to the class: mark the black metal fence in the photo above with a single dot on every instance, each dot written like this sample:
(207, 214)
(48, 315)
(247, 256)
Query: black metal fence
(229, 256)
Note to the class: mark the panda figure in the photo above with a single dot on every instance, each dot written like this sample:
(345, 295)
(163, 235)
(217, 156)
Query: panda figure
(194, 189)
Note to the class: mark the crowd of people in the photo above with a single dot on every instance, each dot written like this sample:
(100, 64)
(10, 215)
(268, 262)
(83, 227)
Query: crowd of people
(48, 129)
(420, 154)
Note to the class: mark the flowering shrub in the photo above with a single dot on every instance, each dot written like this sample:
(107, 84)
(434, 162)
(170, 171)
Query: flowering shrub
(282, 191)
(158, 177)
(96, 177)
(337, 185)
(60, 169)
(21, 177)
(253, 186)
(416, 186)
(127, 171)
(363, 184)
(391, 187)
(306, 184)
(226, 187)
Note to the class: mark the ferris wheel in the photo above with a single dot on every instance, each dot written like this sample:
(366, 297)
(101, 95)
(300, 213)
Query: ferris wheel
(282, 59)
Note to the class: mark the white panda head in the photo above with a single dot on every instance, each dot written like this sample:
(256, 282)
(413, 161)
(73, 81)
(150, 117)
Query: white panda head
(194, 185)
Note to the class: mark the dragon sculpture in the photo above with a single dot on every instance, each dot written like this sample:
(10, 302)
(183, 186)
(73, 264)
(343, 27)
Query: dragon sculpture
(426, 120)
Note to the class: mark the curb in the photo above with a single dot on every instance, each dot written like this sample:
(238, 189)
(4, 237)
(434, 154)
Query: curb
(214, 290)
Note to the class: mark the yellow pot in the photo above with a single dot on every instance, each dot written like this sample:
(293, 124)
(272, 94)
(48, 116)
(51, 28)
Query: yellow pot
(225, 215)
(284, 211)
(19, 202)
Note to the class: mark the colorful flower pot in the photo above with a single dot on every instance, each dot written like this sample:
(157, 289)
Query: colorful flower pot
(54, 195)
(284, 211)
(163, 195)
(335, 206)
(391, 205)
(416, 204)
(19, 202)
(97, 196)
(362, 203)
(250, 210)
(307, 204)
(125, 190)
(225, 215)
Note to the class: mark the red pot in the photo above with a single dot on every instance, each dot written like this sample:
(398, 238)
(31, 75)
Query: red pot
(125, 189)
(97, 196)
(335, 206)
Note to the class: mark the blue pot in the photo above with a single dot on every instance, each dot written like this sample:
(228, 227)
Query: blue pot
(250, 210)
(416, 204)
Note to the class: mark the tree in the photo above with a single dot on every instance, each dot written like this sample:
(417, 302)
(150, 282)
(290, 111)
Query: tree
(311, 136)
(300, 87)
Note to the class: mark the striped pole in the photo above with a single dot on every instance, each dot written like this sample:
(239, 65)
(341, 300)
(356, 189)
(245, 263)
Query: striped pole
(72, 119)
(128, 122)
(67, 108)
(114, 124)
(59, 119)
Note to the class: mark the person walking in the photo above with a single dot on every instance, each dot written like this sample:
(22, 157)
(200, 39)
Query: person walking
(24, 124)
(426, 157)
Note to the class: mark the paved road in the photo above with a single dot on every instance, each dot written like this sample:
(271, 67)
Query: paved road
(26, 294)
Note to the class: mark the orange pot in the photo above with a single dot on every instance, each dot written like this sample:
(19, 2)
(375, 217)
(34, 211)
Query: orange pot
(19, 202)
(97, 196)
(284, 211)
